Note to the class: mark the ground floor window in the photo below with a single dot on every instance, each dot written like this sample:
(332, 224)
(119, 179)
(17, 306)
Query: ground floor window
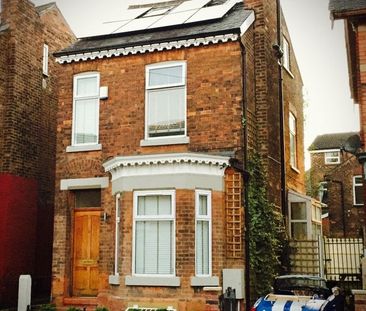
(154, 232)
(203, 233)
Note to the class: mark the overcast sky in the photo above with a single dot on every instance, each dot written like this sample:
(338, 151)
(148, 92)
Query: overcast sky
(320, 52)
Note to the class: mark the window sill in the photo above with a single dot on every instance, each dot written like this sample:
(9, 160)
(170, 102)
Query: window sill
(204, 281)
(295, 169)
(113, 279)
(289, 72)
(82, 148)
(164, 141)
(169, 281)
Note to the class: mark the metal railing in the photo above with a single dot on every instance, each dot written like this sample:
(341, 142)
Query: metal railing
(337, 259)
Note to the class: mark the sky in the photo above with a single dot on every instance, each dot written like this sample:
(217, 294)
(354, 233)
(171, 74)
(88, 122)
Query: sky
(320, 52)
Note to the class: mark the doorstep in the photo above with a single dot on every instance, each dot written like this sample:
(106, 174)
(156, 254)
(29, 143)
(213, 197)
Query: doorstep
(80, 301)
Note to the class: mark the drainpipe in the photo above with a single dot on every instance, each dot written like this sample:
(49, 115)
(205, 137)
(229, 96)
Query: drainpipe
(114, 278)
(116, 244)
(279, 53)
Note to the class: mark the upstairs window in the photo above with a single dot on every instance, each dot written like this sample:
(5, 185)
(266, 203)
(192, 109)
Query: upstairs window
(293, 138)
(332, 157)
(357, 190)
(45, 59)
(203, 233)
(286, 54)
(166, 100)
(86, 109)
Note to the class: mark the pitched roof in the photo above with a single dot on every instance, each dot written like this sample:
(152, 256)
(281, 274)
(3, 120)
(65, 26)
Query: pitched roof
(230, 23)
(46, 6)
(337, 6)
(330, 141)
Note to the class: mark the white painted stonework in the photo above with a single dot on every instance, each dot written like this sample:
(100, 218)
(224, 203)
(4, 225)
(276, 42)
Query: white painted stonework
(147, 48)
(177, 170)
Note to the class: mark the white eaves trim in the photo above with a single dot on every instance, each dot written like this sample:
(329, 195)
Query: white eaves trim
(84, 183)
(324, 150)
(150, 47)
(247, 23)
(168, 158)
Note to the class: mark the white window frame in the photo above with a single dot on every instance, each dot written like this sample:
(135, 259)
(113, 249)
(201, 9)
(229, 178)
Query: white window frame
(286, 54)
(293, 134)
(165, 86)
(92, 96)
(45, 59)
(171, 217)
(354, 185)
(207, 218)
(294, 197)
(323, 188)
(327, 157)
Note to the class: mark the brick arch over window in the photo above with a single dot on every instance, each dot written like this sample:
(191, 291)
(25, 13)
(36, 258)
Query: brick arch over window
(84, 168)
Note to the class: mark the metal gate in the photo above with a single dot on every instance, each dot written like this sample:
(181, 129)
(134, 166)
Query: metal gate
(342, 261)
(337, 259)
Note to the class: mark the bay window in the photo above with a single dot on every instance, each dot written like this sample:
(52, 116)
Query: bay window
(203, 233)
(154, 233)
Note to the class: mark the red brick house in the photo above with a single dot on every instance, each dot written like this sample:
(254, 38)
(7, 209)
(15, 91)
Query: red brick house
(353, 14)
(336, 180)
(28, 103)
(148, 210)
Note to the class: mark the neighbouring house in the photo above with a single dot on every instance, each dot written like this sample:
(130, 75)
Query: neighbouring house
(336, 180)
(28, 104)
(148, 206)
(353, 13)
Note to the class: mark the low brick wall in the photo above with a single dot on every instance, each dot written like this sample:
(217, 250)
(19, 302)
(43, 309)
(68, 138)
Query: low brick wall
(360, 299)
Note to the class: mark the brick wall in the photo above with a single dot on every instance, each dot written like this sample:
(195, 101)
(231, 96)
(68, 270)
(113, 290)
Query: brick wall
(28, 107)
(346, 220)
(266, 101)
(214, 95)
(214, 101)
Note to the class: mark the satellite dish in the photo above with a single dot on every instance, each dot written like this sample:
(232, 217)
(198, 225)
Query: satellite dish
(352, 144)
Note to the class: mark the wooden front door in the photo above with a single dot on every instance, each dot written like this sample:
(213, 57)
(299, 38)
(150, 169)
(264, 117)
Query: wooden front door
(86, 253)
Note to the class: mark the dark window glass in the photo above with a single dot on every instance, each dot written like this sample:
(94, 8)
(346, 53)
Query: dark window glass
(87, 198)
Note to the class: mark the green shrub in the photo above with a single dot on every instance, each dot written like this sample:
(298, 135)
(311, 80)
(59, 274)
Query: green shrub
(101, 309)
(74, 309)
(266, 230)
(47, 307)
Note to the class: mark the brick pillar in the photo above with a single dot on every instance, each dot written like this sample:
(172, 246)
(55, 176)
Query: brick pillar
(360, 299)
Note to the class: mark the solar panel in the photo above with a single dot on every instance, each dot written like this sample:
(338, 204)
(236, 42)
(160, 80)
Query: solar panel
(190, 11)
(139, 23)
(159, 11)
(212, 12)
(191, 5)
(180, 14)
(128, 15)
